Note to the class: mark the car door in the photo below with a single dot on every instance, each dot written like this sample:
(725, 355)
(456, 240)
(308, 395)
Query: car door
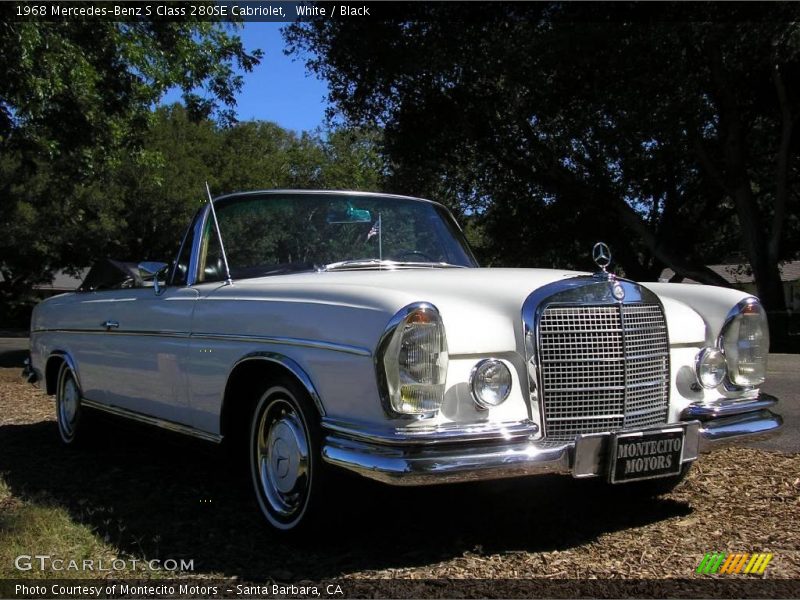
(145, 337)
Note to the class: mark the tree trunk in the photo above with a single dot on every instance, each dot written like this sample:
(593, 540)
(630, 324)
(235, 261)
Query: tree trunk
(736, 182)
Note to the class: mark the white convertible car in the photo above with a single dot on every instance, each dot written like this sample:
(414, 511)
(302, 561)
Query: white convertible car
(344, 330)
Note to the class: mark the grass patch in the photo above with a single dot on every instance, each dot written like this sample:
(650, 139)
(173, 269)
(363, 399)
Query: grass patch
(31, 526)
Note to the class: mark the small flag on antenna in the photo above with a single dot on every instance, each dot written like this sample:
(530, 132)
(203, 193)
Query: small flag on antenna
(376, 229)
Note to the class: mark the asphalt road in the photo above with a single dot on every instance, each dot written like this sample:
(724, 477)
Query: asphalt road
(13, 350)
(783, 382)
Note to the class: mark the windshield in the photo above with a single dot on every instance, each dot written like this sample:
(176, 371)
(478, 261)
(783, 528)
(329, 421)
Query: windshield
(273, 234)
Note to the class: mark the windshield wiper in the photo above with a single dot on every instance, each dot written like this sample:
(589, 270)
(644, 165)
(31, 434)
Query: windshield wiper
(372, 263)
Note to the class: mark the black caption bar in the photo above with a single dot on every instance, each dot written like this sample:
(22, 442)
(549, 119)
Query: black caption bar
(203, 10)
(157, 589)
(379, 10)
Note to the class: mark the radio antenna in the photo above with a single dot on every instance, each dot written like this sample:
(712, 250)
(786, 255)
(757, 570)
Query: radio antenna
(228, 279)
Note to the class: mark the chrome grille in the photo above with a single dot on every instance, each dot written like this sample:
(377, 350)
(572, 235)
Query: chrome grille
(603, 368)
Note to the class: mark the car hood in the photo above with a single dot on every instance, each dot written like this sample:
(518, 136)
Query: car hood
(480, 308)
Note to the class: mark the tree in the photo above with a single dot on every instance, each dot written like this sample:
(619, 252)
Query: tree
(670, 134)
(153, 194)
(76, 99)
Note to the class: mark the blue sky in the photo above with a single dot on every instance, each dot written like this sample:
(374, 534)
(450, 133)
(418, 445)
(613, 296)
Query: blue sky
(278, 89)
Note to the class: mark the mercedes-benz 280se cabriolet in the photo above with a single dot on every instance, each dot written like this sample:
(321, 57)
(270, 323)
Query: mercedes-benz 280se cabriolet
(346, 330)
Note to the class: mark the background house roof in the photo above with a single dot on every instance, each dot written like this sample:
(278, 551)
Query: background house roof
(740, 273)
(62, 282)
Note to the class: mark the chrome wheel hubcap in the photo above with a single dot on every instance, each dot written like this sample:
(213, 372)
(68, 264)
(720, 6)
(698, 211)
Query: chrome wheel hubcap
(282, 458)
(68, 406)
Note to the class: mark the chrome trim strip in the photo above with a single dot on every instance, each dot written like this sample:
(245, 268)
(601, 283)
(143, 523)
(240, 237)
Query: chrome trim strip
(437, 434)
(264, 339)
(291, 366)
(179, 334)
(148, 420)
(322, 193)
(194, 258)
(285, 341)
(70, 363)
(192, 227)
(725, 407)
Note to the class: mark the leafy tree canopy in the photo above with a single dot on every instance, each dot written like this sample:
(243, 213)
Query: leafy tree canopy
(156, 193)
(669, 134)
(76, 97)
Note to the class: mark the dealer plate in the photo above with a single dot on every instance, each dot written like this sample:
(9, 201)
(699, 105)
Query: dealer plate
(646, 454)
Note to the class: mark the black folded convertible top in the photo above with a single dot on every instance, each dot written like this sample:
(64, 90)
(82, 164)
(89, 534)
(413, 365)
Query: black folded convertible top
(108, 274)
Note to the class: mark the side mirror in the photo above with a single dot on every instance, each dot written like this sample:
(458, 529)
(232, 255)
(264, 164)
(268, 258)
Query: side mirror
(152, 270)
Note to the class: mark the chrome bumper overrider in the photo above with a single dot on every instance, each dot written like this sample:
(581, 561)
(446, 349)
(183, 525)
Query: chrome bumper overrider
(728, 420)
(424, 464)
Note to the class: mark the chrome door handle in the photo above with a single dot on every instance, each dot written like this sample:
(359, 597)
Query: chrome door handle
(111, 324)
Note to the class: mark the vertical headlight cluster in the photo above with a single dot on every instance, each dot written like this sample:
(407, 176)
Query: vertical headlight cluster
(745, 341)
(741, 352)
(415, 361)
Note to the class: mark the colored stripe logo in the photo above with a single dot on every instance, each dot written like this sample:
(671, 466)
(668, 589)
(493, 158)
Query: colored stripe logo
(733, 564)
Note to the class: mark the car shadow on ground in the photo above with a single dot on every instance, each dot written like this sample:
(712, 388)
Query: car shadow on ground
(157, 495)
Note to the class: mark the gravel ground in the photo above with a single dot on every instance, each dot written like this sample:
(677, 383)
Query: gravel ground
(166, 496)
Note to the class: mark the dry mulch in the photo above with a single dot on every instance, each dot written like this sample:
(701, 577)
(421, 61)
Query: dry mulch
(21, 403)
(172, 497)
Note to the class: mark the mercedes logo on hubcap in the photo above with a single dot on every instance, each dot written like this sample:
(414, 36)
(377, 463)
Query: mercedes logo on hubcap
(601, 255)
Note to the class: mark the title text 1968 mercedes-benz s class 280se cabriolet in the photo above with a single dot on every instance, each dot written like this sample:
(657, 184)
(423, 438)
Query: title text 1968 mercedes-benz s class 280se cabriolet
(345, 330)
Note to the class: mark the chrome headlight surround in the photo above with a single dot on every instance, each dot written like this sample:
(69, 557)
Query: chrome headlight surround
(710, 367)
(411, 362)
(490, 383)
(745, 342)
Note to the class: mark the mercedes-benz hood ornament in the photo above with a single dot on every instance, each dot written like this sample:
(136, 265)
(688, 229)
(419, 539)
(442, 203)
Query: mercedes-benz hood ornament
(601, 255)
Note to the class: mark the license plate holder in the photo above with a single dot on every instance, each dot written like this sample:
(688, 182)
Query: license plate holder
(638, 455)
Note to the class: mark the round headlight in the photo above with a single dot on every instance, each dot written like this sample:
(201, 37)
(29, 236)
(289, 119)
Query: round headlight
(490, 382)
(711, 367)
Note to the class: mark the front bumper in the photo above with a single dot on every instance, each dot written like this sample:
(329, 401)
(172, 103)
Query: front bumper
(705, 426)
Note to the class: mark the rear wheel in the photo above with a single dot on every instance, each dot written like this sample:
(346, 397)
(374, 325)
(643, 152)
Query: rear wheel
(69, 411)
(286, 465)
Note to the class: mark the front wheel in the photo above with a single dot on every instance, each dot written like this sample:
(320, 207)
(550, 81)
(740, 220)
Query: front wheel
(285, 461)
